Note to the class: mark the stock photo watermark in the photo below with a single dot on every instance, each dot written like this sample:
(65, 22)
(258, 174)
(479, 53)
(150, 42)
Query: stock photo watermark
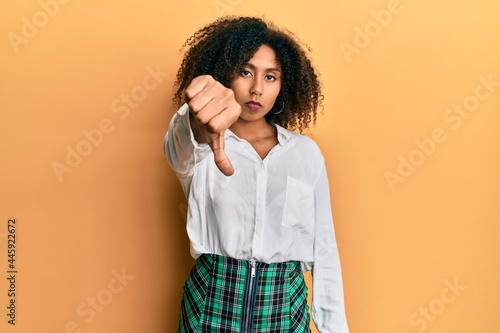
(225, 7)
(89, 309)
(363, 36)
(122, 107)
(12, 269)
(31, 26)
(430, 312)
(454, 117)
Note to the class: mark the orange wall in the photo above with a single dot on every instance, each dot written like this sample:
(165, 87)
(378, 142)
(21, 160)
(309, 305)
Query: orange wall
(410, 133)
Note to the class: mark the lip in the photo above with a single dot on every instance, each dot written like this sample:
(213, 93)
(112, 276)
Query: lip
(253, 105)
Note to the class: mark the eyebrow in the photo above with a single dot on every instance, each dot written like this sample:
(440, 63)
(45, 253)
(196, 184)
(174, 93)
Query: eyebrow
(272, 69)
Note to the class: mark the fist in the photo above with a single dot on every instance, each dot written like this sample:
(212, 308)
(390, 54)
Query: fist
(213, 110)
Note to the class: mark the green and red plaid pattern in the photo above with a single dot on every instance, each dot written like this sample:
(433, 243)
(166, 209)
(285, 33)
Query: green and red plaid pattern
(215, 297)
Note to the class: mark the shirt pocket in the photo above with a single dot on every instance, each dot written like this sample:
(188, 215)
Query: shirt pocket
(298, 209)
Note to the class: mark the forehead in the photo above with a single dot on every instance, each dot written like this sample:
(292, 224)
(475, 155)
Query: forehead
(264, 57)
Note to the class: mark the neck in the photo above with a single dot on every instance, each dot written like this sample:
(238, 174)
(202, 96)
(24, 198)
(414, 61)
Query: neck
(251, 130)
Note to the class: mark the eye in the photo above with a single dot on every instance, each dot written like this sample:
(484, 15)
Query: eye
(270, 78)
(246, 73)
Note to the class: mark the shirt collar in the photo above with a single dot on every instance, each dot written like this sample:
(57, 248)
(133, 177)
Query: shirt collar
(283, 134)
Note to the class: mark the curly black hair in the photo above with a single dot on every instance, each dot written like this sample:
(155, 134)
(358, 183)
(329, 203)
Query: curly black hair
(222, 48)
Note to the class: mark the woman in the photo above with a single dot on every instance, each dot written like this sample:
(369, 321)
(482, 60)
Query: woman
(259, 206)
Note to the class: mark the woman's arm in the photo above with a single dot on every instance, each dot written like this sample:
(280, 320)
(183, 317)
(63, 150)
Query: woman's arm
(210, 110)
(328, 295)
(181, 148)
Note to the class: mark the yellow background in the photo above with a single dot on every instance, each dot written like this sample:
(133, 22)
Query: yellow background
(402, 241)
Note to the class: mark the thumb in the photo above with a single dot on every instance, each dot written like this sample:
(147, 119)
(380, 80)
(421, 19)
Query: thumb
(220, 157)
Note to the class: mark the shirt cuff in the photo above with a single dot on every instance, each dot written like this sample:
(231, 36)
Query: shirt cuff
(181, 148)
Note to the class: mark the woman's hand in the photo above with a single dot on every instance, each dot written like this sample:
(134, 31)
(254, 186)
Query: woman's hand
(213, 110)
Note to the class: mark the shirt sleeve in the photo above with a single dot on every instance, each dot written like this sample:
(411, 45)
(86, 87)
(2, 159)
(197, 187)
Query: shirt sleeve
(182, 150)
(328, 296)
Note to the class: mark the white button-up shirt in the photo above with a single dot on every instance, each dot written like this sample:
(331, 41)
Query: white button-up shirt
(274, 209)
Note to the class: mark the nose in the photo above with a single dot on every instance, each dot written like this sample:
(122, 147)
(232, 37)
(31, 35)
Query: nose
(256, 88)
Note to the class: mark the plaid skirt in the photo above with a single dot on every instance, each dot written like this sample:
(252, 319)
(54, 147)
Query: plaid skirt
(226, 295)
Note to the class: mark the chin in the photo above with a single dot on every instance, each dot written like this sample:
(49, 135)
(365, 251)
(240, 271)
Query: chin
(252, 117)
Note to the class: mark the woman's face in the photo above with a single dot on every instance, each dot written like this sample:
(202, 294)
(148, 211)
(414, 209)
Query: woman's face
(257, 86)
